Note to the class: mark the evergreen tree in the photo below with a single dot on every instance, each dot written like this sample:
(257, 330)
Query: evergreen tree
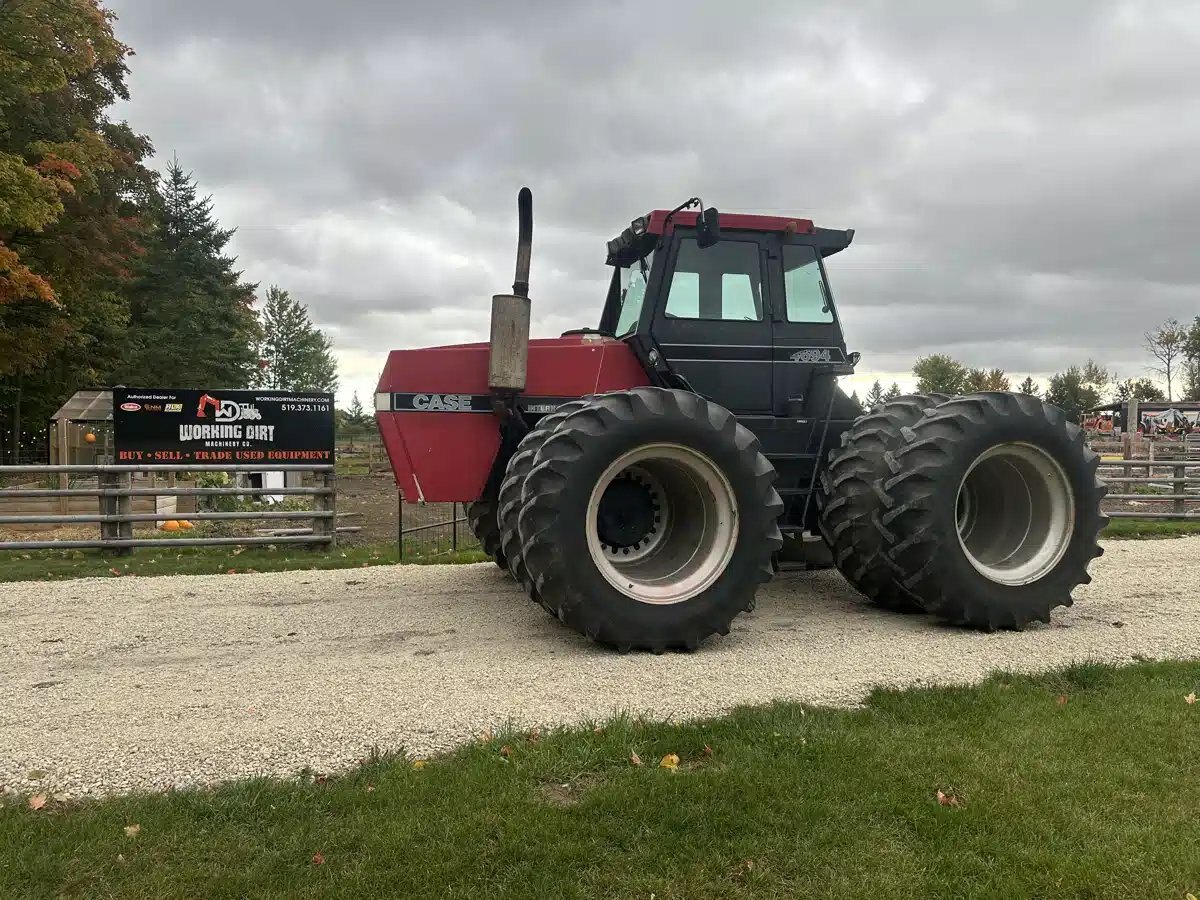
(874, 395)
(356, 415)
(1029, 386)
(192, 320)
(854, 399)
(892, 393)
(295, 355)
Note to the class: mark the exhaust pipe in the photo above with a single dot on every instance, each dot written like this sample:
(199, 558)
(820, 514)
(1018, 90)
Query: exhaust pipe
(508, 350)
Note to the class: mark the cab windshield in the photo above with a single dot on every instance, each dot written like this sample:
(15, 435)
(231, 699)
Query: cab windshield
(634, 278)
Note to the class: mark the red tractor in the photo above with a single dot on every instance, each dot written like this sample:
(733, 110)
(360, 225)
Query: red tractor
(642, 478)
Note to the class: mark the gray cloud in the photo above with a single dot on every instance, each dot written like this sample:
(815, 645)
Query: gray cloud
(1023, 177)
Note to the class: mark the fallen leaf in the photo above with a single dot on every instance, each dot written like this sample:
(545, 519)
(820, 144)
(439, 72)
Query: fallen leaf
(1190, 698)
(321, 779)
(707, 751)
(945, 799)
(634, 759)
(418, 763)
(487, 737)
(115, 571)
(37, 801)
(599, 729)
(534, 735)
(506, 751)
(132, 830)
(239, 551)
(670, 761)
(1061, 699)
(370, 788)
(231, 571)
(318, 859)
(121, 859)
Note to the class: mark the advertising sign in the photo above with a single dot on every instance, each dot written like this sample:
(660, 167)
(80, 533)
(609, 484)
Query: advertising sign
(276, 428)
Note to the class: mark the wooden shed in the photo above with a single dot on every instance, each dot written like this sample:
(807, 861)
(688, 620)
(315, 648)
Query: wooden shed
(81, 432)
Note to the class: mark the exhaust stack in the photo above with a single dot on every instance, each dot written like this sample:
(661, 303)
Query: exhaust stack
(508, 353)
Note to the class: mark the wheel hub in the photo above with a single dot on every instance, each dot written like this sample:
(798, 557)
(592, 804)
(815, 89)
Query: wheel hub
(662, 523)
(629, 513)
(1015, 513)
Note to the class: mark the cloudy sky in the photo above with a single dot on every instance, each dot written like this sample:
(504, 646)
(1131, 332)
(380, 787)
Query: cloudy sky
(1024, 177)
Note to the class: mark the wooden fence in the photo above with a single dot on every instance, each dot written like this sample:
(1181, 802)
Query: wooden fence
(115, 497)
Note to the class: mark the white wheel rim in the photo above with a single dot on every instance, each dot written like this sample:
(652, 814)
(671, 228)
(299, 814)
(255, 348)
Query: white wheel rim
(694, 533)
(1015, 513)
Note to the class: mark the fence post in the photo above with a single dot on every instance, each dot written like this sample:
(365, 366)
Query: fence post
(399, 527)
(1180, 490)
(454, 527)
(124, 507)
(326, 502)
(106, 482)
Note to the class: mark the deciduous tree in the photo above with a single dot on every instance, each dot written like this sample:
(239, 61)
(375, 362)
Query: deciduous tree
(1137, 389)
(939, 373)
(1168, 345)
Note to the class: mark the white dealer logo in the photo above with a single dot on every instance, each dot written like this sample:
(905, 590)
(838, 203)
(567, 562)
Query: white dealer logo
(444, 402)
(226, 412)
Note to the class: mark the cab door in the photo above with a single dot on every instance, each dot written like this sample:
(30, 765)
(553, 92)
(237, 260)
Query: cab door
(807, 333)
(713, 320)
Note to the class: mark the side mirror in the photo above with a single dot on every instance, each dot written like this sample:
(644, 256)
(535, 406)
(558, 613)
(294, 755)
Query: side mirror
(708, 228)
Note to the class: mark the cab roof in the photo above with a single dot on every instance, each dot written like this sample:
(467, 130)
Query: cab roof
(656, 222)
(643, 234)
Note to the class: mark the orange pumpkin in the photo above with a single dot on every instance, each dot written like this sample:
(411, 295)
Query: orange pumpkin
(90, 438)
(186, 525)
(170, 525)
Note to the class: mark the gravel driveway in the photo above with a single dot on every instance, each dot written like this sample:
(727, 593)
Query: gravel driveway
(145, 683)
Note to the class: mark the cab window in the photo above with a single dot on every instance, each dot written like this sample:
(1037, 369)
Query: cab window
(807, 295)
(721, 282)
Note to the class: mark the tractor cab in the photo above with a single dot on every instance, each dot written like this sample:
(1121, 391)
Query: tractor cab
(738, 309)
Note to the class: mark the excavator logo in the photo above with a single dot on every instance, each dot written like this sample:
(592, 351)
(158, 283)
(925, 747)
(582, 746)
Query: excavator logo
(227, 410)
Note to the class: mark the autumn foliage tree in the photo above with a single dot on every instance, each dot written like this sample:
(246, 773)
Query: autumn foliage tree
(70, 180)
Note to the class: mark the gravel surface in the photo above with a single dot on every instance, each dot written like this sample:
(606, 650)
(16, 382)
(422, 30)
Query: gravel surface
(121, 684)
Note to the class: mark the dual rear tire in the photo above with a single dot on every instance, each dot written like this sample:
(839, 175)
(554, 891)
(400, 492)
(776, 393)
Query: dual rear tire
(983, 510)
(646, 519)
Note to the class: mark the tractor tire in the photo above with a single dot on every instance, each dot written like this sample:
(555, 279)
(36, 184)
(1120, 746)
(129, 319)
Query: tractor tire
(510, 491)
(992, 510)
(649, 519)
(848, 503)
(482, 517)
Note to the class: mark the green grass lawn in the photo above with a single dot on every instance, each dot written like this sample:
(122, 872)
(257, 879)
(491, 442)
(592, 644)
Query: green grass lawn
(1150, 528)
(44, 565)
(1080, 784)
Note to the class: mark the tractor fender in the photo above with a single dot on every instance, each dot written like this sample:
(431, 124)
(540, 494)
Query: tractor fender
(435, 414)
